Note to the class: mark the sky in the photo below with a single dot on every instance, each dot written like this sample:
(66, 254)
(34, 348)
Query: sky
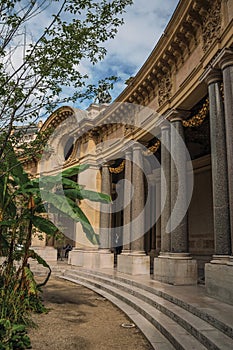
(144, 24)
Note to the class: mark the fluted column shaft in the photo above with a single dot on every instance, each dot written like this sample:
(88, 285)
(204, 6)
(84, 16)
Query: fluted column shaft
(165, 188)
(138, 228)
(219, 165)
(179, 235)
(127, 203)
(105, 217)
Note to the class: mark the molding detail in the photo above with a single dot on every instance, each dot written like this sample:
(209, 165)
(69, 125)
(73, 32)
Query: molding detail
(165, 88)
(211, 25)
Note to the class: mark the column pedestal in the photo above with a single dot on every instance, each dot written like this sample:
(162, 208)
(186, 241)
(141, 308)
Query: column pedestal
(91, 258)
(76, 257)
(219, 277)
(104, 259)
(49, 254)
(133, 264)
(176, 269)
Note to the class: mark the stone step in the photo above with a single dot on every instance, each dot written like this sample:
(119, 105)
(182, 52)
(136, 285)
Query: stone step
(57, 269)
(207, 334)
(216, 313)
(156, 339)
(176, 334)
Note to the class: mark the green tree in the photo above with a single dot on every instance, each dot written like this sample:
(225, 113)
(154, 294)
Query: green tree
(38, 62)
(21, 206)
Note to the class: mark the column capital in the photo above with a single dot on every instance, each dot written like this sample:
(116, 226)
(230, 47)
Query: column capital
(224, 59)
(211, 75)
(137, 147)
(128, 154)
(105, 165)
(177, 114)
(165, 127)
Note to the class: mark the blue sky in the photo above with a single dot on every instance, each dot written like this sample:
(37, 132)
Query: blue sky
(145, 22)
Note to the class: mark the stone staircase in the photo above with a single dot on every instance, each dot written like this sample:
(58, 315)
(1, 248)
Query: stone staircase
(171, 317)
(57, 268)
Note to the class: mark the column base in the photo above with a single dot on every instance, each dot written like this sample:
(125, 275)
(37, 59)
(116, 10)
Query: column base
(219, 278)
(133, 264)
(49, 254)
(104, 259)
(91, 258)
(75, 257)
(176, 269)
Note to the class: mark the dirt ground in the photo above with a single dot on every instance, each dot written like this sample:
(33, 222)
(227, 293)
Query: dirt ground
(81, 319)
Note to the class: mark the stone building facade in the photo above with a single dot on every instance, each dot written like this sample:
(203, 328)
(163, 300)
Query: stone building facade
(187, 82)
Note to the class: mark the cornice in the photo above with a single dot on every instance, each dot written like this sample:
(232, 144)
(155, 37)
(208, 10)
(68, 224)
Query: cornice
(176, 44)
(57, 117)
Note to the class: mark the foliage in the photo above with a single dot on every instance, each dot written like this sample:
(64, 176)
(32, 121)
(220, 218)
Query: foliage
(40, 69)
(13, 336)
(21, 210)
(37, 71)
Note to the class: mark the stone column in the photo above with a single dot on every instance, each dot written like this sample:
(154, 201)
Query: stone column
(226, 64)
(152, 213)
(158, 211)
(219, 165)
(165, 188)
(150, 220)
(127, 203)
(218, 273)
(105, 258)
(105, 217)
(179, 235)
(136, 262)
(138, 203)
(174, 265)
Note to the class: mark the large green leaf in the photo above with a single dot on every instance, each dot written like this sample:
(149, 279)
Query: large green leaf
(44, 225)
(70, 208)
(49, 183)
(8, 223)
(87, 194)
(86, 225)
(15, 167)
(74, 170)
(28, 190)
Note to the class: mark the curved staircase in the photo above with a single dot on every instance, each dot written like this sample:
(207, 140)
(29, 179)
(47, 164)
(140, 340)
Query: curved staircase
(171, 317)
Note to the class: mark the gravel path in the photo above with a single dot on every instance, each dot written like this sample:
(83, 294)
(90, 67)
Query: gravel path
(81, 319)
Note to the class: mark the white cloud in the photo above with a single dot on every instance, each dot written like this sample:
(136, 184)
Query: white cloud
(145, 22)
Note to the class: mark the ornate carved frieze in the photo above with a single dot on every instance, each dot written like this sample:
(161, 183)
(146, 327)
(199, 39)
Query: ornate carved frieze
(212, 24)
(165, 88)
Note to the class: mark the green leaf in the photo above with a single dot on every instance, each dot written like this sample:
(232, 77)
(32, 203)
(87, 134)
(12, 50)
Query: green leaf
(70, 208)
(44, 225)
(31, 283)
(87, 194)
(8, 223)
(75, 170)
(86, 225)
(16, 168)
